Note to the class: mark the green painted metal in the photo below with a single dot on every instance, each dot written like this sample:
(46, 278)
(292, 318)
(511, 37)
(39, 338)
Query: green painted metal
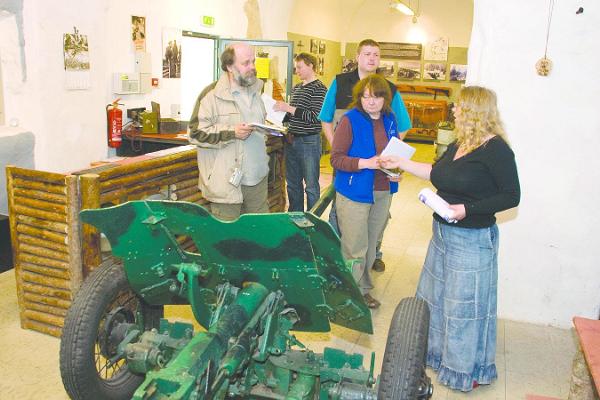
(296, 253)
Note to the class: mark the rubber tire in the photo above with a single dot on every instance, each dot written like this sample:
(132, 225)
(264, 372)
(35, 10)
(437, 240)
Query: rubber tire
(405, 351)
(77, 358)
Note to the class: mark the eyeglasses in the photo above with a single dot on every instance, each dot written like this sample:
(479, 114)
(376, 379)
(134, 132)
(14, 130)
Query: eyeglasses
(367, 98)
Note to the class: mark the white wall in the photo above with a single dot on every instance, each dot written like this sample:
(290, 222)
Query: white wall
(70, 126)
(549, 259)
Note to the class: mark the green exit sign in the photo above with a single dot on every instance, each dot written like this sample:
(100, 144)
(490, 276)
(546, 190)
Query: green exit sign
(208, 21)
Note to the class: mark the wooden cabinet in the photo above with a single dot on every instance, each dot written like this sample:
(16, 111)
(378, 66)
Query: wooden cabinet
(425, 116)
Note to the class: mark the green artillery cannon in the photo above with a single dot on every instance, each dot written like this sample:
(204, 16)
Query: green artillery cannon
(249, 282)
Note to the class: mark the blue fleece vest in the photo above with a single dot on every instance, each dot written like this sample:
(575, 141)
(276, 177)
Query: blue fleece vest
(358, 185)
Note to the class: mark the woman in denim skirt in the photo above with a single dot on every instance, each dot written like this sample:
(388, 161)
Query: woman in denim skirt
(478, 177)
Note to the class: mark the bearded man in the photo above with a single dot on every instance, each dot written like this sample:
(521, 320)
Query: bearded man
(232, 156)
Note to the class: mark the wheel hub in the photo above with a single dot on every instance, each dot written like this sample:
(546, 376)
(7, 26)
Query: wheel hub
(113, 332)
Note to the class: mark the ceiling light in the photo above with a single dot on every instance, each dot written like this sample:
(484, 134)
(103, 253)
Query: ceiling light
(402, 7)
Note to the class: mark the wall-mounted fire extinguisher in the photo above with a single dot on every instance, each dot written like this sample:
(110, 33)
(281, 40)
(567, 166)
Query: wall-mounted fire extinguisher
(114, 118)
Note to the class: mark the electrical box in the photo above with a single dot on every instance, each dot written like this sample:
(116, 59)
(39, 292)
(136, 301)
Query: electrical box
(126, 83)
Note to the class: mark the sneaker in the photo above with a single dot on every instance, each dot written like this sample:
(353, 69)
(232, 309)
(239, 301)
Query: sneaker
(371, 301)
(378, 265)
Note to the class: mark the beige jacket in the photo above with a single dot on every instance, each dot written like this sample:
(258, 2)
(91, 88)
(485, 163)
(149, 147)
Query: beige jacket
(211, 128)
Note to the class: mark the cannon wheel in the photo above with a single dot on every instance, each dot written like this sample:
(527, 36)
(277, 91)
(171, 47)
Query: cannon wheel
(403, 370)
(104, 300)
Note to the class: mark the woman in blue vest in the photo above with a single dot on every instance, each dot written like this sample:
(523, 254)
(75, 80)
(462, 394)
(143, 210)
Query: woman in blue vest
(364, 193)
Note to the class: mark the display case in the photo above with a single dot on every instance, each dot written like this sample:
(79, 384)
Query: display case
(425, 116)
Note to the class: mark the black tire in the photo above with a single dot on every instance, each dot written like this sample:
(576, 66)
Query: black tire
(84, 371)
(403, 370)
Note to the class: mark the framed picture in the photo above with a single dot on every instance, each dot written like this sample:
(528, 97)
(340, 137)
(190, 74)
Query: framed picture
(387, 68)
(321, 66)
(138, 33)
(171, 58)
(322, 47)
(409, 70)
(349, 64)
(434, 71)
(314, 46)
(458, 72)
(437, 49)
(401, 51)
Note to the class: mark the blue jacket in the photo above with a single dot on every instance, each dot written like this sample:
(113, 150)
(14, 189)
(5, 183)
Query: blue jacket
(358, 185)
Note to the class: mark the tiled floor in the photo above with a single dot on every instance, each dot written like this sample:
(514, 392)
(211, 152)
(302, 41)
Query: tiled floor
(531, 359)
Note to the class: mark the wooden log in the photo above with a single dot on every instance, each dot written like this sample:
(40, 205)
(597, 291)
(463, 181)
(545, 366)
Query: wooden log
(51, 301)
(32, 212)
(41, 205)
(42, 176)
(36, 185)
(46, 271)
(45, 309)
(42, 224)
(75, 259)
(42, 261)
(182, 193)
(147, 175)
(59, 238)
(46, 291)
(44, 318)
(133, 167)
(192, 198)
(89, 186)
(43, 252)
(185, 183)
(45, 280)
(40, 327)
(34, 241)
(39, 194)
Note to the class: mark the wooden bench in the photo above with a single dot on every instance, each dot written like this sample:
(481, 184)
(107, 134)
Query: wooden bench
(588, 332)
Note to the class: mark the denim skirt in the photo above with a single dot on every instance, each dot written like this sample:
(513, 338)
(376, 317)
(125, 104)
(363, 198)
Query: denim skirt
(459, 282)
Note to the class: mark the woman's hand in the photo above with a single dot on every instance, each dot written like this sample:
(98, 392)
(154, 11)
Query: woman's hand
(459, 211)
(390, 162)
(369, 163)
(282, 106)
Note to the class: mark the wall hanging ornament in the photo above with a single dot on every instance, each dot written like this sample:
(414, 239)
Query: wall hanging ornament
(544, 65)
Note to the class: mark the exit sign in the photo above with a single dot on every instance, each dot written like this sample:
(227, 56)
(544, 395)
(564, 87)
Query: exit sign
(208, 21)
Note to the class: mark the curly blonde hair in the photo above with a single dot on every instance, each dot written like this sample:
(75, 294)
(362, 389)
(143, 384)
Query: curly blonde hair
(478, 118)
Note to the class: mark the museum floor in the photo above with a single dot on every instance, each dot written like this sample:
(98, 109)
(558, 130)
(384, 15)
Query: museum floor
(531, 359)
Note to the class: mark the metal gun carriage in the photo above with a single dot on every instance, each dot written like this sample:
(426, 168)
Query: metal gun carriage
(249, 283)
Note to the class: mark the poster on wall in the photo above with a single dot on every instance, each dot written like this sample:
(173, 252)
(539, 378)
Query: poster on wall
(401, 51)
(437, 49)
(138, 33)
(409, 70)
(77, 60)
(322, 47)
(321, 66)
(434, 71)
(171, 58)
(458, 72)
(314, 46)
(349, 64)
(387, 69)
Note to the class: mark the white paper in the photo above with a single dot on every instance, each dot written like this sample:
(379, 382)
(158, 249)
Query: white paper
(274, 117)
(437, 204)
(398, 148)
(269, 129)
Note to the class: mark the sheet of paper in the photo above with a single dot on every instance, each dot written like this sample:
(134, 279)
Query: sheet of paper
(398, 148)
(269, 129)
(274, 117)
(436, 203)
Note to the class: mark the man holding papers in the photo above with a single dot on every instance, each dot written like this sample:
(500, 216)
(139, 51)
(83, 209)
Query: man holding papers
(303, 153)
(475, 178)
(232, 155)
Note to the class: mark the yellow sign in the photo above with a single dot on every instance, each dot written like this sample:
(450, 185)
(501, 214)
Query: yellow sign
(262, 67)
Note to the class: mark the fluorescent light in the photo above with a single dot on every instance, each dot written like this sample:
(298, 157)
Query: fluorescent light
(403, 8)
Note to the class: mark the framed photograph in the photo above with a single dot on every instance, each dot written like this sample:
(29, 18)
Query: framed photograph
(349, 64)
(321, 66)
(434, 71)
(314, 46)
(322, 47)
(138, 33)
(409, 70)
(387, 69)
(401, 51)
(458, 72)
(171, 42)
(437, 50)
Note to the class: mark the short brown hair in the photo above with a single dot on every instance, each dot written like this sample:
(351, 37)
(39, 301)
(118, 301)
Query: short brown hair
(366, 42)
(227, 57)
(377, 86)
(307, 59)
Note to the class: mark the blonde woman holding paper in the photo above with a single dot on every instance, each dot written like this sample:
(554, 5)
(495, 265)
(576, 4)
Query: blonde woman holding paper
(363, 192)
(478, 177)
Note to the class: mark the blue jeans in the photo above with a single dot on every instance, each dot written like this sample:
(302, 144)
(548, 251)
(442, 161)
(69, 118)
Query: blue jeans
(459, 283)
(302, 167)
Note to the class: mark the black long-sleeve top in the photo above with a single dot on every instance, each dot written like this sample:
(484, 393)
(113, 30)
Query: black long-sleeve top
(485, 181)
(308, 100)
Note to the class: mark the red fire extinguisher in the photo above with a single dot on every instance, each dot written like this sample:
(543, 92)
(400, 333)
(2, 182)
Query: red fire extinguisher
(114, 117)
